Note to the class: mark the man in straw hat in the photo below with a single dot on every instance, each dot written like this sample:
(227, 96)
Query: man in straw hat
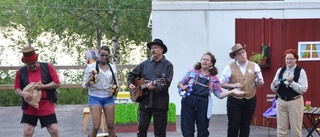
(46, 79)
(245, 75)
(155, 100)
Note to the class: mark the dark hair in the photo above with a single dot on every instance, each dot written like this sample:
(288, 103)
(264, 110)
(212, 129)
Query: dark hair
(291, 51)
(213, 70)
(106, 48)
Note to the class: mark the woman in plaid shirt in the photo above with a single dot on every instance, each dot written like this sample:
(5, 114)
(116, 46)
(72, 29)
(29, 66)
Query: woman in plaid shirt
(196, 103)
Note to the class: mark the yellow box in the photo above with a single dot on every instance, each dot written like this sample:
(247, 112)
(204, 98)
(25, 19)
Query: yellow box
(123, 95)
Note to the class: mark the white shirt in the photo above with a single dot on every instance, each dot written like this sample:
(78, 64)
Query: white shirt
(300, 87)
(104, 82)
(226, 74)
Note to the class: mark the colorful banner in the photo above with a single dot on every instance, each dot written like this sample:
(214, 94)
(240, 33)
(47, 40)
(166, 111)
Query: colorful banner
(92, 56)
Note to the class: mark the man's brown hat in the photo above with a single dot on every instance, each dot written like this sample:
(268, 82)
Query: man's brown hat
(237, 47)
(29, 55)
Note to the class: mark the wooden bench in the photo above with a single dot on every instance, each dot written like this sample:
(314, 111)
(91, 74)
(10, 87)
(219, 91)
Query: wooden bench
(86, 115)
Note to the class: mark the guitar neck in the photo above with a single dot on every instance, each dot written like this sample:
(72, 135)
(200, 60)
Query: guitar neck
(143, 86)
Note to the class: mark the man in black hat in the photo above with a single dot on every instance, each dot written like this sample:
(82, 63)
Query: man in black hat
(155, 99)
(246, 76)
(45, 78)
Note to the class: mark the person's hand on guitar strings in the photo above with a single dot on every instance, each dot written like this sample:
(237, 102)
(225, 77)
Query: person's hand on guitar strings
(150, 85)
(131, 86)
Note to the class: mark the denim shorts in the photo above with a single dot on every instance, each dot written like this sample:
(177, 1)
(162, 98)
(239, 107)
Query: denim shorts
(96, 101)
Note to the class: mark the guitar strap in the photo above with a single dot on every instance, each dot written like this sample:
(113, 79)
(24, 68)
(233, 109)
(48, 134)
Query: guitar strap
(163, 74)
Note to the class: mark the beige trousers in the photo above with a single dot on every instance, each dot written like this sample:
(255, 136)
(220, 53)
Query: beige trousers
(290, 112)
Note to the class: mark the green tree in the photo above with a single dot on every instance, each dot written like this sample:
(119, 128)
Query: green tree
(16, 15)
(22, 23)
(120, 22)
(80, 25)
(72, 27)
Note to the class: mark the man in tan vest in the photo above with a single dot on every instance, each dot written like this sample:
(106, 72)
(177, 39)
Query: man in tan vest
(245, 75)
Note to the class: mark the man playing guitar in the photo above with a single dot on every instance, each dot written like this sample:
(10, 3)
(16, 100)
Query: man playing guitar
(154, 99)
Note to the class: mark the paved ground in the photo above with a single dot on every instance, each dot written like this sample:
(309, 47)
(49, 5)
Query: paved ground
(71, 119)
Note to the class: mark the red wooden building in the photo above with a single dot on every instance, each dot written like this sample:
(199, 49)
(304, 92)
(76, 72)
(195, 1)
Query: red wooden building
(281, 34)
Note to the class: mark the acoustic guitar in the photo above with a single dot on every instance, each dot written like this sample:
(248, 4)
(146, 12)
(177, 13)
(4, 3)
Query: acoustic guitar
(136, 93)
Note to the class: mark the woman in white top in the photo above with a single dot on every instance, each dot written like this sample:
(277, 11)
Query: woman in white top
(101, 91)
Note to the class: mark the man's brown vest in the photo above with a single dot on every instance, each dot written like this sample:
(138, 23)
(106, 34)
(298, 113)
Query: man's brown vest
(247, 79)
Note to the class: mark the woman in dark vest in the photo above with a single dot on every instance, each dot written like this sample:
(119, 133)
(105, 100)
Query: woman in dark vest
(289, 83)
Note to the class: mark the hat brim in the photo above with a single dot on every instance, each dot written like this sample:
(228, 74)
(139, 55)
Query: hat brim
(232, 54)
(156, 43)
(30, 59)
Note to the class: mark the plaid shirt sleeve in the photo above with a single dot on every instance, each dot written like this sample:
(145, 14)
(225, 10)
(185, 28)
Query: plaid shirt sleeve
(187, 79)
(215, 86)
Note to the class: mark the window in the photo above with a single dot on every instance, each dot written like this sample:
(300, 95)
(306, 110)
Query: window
(309, 51)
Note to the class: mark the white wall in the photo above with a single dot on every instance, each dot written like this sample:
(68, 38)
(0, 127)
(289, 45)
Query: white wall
(189, 29)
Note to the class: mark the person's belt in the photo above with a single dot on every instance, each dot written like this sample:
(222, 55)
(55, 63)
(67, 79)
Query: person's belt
(288, 99)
